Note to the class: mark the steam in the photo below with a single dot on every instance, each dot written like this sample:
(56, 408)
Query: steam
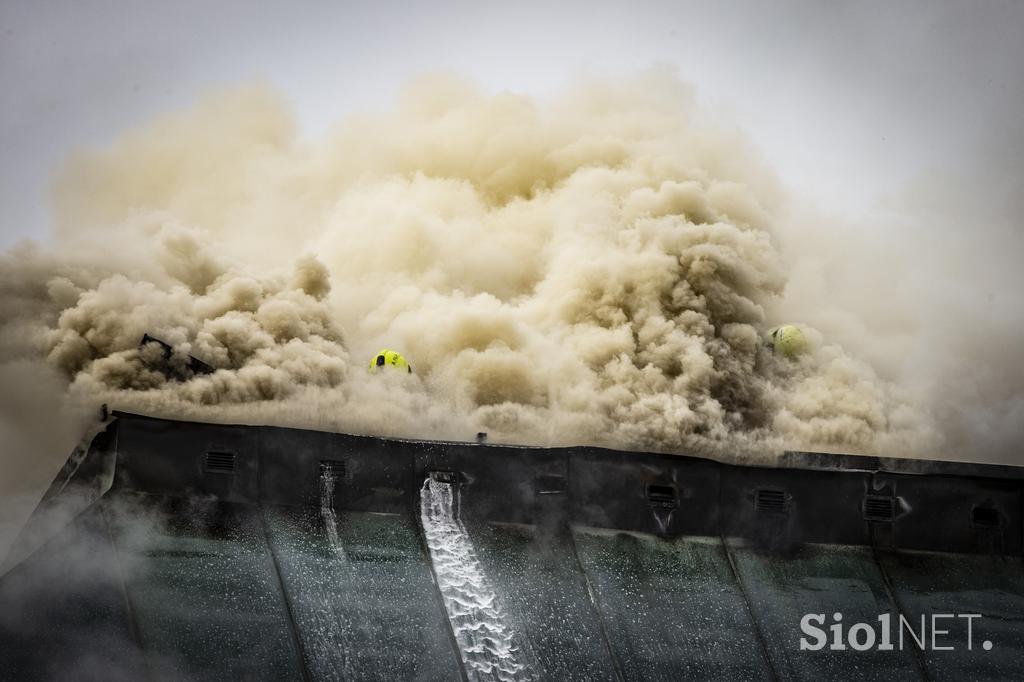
(591, 269)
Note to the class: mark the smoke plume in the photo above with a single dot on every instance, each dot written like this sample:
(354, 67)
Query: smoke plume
(596, 268)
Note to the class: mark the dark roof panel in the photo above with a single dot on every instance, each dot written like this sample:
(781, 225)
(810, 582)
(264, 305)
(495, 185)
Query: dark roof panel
(196, 551)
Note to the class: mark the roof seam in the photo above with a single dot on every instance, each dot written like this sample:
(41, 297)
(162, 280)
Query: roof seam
(300, 650)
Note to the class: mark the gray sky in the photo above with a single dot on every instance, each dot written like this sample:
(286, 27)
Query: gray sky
(847, 100)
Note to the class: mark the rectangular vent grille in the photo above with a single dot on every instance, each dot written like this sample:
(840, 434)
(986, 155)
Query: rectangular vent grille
(450, 477)
(550, 484)
(663, 496)
(768, 500)
(335, 468)
(986, 517)
(220, 462)
(879, 508)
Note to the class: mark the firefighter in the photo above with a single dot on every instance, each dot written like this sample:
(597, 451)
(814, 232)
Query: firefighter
(386, 358)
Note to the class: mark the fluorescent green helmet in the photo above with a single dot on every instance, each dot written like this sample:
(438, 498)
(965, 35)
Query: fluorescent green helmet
(391, 358)
(787, 340)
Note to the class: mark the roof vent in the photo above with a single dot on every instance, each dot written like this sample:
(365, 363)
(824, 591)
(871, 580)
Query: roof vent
(986, 518)
(879, 508)
(770, 501)
(550, 484)
(333, 468)
(661, 495)
(449, 477)
(220, 462)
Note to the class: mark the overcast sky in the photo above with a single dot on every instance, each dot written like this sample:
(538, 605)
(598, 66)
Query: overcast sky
(847, 100)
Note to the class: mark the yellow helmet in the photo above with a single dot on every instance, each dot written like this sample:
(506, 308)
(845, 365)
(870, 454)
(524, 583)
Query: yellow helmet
(389, 357)
(787, 340)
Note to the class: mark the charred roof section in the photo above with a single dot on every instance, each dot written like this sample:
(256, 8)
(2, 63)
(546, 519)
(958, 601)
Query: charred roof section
(176, 367)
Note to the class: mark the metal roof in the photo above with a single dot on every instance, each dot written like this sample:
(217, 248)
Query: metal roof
(179, 550)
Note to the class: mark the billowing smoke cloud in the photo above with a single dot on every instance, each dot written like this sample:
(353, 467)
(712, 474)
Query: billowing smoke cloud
(591, 269)
(926, 291)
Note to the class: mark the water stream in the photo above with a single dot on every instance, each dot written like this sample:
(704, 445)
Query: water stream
(327, 479)
(489, 647)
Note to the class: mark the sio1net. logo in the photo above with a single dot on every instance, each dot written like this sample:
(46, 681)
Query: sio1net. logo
(940, 632)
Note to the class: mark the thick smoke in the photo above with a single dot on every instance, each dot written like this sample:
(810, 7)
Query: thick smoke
(591, 269)
(927, 291)
(39, 427)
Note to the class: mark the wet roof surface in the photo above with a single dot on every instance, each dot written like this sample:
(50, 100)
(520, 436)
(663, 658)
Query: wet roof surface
(144, 583)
